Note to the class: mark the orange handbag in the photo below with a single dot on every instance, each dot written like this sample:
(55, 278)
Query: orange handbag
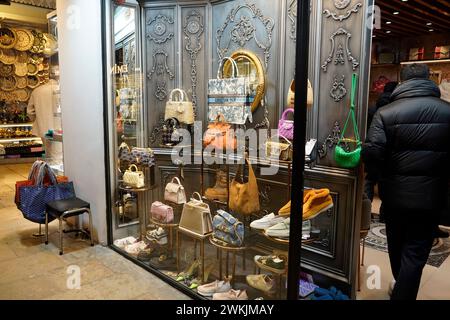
(220, 135)
(244, 196)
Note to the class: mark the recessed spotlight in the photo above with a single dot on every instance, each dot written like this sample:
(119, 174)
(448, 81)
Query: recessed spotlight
(388, 22)
(374, 36)
(431, 30)
(429, 24)
(396, 12)
(389, 31)
(404, 0)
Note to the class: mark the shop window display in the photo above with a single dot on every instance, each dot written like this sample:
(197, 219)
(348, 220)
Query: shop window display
(204, 148)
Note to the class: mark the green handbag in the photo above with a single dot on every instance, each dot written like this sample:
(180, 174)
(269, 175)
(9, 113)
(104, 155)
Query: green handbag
(349, 159)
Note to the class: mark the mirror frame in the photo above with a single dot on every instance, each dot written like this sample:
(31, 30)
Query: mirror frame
(261, 75)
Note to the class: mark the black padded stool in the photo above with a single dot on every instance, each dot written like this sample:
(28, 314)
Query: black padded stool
(63, 209)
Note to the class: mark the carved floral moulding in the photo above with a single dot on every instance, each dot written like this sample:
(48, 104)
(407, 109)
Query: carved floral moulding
(292, 15)
(350, 57)
(158, 29)
(341, 17)
(242, 25)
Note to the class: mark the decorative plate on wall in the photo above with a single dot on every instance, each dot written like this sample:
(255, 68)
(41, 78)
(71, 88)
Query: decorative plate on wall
(8, 38)
(6, 69)
(32, 69)
(22, 95)
(8, 56)
(39, 42)
(32, 82)
(21, 69)
(25, 40)
(22, 57)
(51, 45)
(21, 82)
(8, 83)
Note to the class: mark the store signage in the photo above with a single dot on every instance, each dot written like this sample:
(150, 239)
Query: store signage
(119, 69)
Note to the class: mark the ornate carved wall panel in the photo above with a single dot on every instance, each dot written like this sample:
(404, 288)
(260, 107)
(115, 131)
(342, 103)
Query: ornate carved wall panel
(160, 54)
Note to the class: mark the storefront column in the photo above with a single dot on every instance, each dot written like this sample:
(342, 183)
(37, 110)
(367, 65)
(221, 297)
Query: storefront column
(80, 52)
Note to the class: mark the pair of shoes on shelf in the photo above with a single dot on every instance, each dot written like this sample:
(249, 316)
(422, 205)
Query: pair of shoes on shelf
(220, 191)
(163, 262)
(262, 282)
(315, 202)
(231, 295)
(158, 235)
(331, 294)
(148, 253)
(273, 263)
(209, 289)
(280, 230)
(122, 243)
(266, 222)
(134, 248)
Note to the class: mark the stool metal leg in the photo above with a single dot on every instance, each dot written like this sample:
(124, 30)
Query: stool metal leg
(46, 227)
(60, 236)
(91, 230)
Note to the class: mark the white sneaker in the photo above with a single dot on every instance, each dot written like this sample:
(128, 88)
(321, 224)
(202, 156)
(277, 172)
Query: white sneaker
(135, 248)
(122, 243)
(209, 289)
(159, 235)
(280, 230)
(266, 222)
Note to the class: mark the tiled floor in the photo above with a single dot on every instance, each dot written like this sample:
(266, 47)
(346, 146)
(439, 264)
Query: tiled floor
(31, 270)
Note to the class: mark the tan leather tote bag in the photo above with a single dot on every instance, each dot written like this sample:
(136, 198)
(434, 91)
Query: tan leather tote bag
(244, 197)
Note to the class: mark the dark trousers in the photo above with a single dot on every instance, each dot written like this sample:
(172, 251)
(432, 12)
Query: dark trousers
(410, 239)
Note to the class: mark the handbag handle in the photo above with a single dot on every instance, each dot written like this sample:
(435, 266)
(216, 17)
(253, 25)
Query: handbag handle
(286, 112)
(199, 196)
(177, 180)
(221, 118)
(173, 121)
(32, 176)
(182, 95)
(43, 171)
(351, 114)
(133, 166)
(281, 136)
(235, 73)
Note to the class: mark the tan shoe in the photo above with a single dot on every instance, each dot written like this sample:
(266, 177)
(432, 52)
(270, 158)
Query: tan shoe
(286, 210)
(219, 191)
(317, 202)
(231, 295)
(262, 282)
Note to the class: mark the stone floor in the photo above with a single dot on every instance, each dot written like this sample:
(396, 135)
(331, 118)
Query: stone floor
(31, 270)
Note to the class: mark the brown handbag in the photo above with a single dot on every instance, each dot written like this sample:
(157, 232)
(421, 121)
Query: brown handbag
(244, 197)
(219, 135)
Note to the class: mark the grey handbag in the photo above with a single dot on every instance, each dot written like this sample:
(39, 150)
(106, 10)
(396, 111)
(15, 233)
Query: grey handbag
(229, 96)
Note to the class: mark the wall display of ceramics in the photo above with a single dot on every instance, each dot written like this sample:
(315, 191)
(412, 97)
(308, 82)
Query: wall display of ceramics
(21, 82)
(6, 69)
(21, 94)
(8, 56)
(21, 69)
(25, 40)
(8, 83)
(8, 38)
(32, 82)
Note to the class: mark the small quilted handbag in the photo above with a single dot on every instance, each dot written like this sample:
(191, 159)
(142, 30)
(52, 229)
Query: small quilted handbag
(285, 126)
(228, 229)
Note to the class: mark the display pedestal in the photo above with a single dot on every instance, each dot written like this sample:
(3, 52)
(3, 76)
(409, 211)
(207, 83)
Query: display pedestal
(221, 246)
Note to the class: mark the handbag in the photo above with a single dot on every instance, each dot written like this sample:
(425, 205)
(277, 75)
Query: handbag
(137, 156)
(220, 135)
(130, 207)
(170, 134)
(196, 217)
(279, 150)
(228, 229)
(32, 178)
(33, 199)
(229, 96)
(161, 213)
(343, 157)
(182, 109)
(174, 192)
(244, 197)
(286, 127)
(291, 95)
(133, 177)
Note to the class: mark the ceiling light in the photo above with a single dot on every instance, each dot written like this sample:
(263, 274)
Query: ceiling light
(388, 22)
(396, 12)
(429, 24)
(404, 0)
(389, 31)
(431, 30)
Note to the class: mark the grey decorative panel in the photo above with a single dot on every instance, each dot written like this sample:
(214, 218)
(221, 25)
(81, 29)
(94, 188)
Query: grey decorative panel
(160, 45)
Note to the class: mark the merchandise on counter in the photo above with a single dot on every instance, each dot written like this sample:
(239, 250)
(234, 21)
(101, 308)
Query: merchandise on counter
(231, 295)
(220, 191)
(263, 282)
(170, 133)
(316, 202)
(2, 150)
(174, 192)
(229, 97)
(279, 150)
(220, 135)
(161, 213)
(343, 157)
(133, 177)
(386, 58)
(137, 156)
(180, 109)
(280, 230)
(209, 289)
(273, 263)
(228, 229)
(442, 52)
(244, 197)
(130, 207)
(445, 90)
(378, 85)
(158, 235)
(267, 221)
(285, 126)
(134, 248)
(291, 95)
(416, 54)
(196, 216)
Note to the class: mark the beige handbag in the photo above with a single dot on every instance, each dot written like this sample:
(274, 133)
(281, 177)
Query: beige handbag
(244, 197)
(174, 192)
(291, 95)
(182, 109)
(279, 150)
(196, 217)
(133, 177)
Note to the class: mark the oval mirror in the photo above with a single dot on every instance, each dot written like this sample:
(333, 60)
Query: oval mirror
(249, 66)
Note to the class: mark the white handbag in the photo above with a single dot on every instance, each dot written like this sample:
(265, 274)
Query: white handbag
(182, 109)
(134, 178)
(174, 192)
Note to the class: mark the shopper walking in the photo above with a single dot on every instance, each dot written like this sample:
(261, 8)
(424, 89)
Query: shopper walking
(408, 147)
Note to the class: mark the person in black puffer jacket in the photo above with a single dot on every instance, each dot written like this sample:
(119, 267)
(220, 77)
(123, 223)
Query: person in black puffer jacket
(408, 148)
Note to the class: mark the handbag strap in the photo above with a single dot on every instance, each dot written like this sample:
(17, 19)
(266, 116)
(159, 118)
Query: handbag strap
(173, 121)
(124, 145)
(177, 180)
(286, 112)
(221, 118)
(281, 136)
(235, 69)
(43, 171)
(32, 176)
(351, 114)
(199, 196)
(182, 94)
(133, 166)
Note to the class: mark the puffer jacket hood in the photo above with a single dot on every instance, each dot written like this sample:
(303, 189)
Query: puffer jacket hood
(415, 88)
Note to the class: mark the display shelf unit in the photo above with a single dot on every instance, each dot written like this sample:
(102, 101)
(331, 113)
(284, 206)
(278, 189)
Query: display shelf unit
(10, 140)
(16, 125)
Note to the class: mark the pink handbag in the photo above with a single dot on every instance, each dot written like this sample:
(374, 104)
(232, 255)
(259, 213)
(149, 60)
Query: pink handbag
(286, 127)
(161, 213)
